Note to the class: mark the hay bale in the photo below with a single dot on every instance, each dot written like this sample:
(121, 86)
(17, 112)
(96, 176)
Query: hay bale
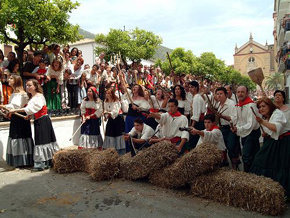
(205, 158)
(103, 165)
(148, 160)
(240, 189)
(68, 161)
(124, 161)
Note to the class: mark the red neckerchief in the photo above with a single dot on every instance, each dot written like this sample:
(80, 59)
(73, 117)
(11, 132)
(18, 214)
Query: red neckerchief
(213, 127)
(247, 100)
(176, 114)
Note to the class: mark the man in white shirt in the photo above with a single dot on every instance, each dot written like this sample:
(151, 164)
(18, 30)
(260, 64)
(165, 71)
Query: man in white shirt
(231, 95)
(101, 59)
(211, 133)
(247, 127)
(170, 122)
(140, 134)
(228, 117)
(198, 111)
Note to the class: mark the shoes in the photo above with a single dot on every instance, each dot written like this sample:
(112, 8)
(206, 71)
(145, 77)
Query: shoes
(37, 169)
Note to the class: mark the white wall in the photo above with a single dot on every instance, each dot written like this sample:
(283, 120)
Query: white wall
(88, 52)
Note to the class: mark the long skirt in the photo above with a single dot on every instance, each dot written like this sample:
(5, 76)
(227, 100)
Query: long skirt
(45, 142)
(114, 134)
(53, 99)
(90, 134)
(20, 143)
(273, 160)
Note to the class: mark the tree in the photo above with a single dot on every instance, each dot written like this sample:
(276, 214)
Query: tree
(211, 67)
(36, 22)
(183, 62)
(275, 81)
(134, 45)
(207, 66)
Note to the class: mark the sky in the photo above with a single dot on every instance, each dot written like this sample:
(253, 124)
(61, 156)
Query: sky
(197, 25)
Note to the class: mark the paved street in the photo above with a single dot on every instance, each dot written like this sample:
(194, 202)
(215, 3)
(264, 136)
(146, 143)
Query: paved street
(47, 194)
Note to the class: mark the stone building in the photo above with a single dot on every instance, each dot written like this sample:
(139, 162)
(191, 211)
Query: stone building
(252, 55)
(281, 35)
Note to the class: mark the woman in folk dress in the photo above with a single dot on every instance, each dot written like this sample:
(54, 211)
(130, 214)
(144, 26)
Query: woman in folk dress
(45, 141)
(115, 125)
(91, 111)
(20, 143)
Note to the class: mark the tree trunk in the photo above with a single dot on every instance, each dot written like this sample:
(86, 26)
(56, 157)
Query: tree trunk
(20, 51)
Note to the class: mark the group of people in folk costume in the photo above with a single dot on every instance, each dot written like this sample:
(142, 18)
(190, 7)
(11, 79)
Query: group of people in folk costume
(137, 117)
(22, 150)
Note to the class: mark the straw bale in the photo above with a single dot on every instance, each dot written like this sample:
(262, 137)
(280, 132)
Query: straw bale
(68, 161)
(148, 160)
(124, 161)
(204, 158)
(103, 165)
(240, 189)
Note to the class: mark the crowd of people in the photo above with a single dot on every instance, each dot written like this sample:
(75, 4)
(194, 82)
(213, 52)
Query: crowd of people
(139, 106)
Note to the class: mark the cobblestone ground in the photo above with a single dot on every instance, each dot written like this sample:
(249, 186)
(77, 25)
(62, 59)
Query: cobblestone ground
(47, 194)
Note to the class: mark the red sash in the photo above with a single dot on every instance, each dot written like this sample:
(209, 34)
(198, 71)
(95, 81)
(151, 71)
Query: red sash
(176, 139)
(201, 117)
(42, 112)
(284, 134)
(153, 110)
(89, 112)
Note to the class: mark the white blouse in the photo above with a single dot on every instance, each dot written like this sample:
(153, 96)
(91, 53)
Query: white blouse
(157, 103)
(186, 105)
(278, 118)
(57, 74)
(142, 103)
(113, 108)
(97, 105)
(93, 78)
(287, 115)
(35, 104)
(17, 100)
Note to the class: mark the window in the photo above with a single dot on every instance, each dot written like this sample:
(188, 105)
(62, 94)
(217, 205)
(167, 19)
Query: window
(251, 59)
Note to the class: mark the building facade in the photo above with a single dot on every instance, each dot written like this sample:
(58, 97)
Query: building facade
(253, 55)
(281, 35)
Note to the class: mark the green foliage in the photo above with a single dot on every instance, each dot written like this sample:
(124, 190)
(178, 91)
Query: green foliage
(134, 45)
(37, 22)
(275, 81)
(211, 67)
(183, 62)
(205, 66)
